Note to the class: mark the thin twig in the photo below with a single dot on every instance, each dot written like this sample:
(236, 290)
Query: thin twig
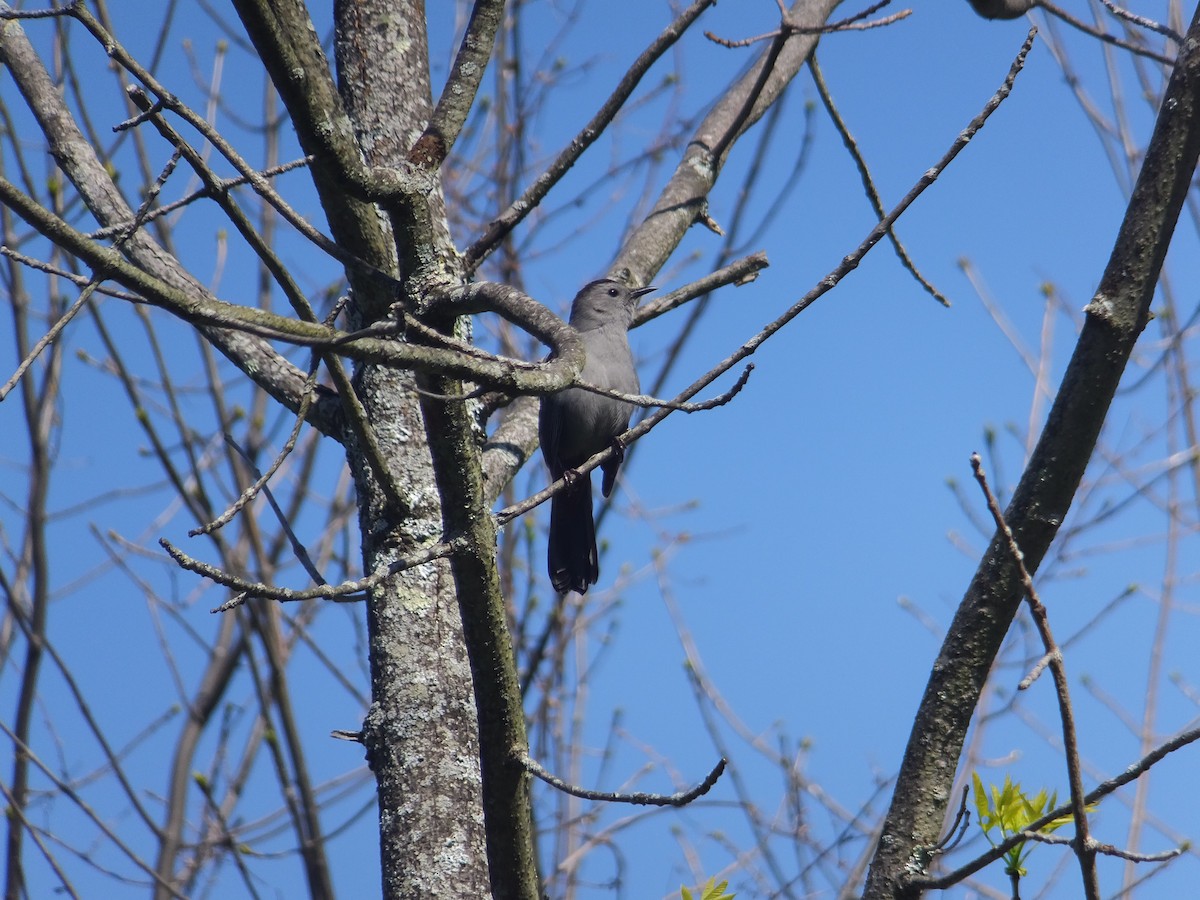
(1149, 24)
(67, 10)
(739, 272)
(340, 593)
(1107, 849)
(1038, 668)
(223, 185)
(17, 813)
(533, 195)
(787, 28)
(49, 337)
(639, 798)
(963, 816)
(97, 276)
(260, 184)
(1104, 35)
(227, 832)
(868, 182)
(645, 400)
(100, 822)
(75, 278)
(1084, 846)
(506, 515)
(261, 481)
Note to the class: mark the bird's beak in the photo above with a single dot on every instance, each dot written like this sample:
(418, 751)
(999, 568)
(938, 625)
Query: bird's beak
(642, 292)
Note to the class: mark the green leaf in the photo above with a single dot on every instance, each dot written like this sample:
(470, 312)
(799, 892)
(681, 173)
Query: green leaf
(981, 805)
(710, 891)
(1011, 811)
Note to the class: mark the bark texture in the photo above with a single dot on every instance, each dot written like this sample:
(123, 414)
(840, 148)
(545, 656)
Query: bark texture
(422, 735)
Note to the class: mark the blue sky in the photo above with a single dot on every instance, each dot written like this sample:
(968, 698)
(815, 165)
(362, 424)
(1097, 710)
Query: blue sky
(799, 517)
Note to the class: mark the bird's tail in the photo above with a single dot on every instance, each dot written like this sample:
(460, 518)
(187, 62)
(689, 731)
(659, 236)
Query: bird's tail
(571, 554)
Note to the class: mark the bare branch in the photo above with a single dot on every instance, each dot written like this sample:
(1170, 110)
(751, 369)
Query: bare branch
(683, 201)
(152, 269)
(222, 186)
(738, 273)
(1116, 316)
(1103, 35)
(14, 14)
(645, 400)
(71, 794)
(1083, 845)
(565, 362)
(528, 201)
(1143, 22)
(458, 94)
(340, 593)
(639, 798)
(788, 26)
(1097, 794)
(89, 288)
(867, 180)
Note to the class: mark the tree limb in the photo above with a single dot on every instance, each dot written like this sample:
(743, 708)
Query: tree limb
(1115, 317)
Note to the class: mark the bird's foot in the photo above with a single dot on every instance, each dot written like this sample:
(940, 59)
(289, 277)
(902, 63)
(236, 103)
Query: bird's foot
(618, 448)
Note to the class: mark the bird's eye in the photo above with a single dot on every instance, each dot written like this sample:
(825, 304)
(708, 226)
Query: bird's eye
(612, 292)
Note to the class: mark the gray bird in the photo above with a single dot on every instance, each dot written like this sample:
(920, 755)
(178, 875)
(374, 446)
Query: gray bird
(575, 424)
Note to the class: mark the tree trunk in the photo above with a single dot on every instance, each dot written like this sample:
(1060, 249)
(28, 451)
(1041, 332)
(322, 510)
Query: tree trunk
(421, 733)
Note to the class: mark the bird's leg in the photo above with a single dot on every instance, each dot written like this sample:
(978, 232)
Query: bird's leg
(570, 476)
(618, 449)
(611, 466)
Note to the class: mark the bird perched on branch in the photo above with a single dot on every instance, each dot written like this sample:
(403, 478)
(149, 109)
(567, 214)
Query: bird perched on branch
(575, 424)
